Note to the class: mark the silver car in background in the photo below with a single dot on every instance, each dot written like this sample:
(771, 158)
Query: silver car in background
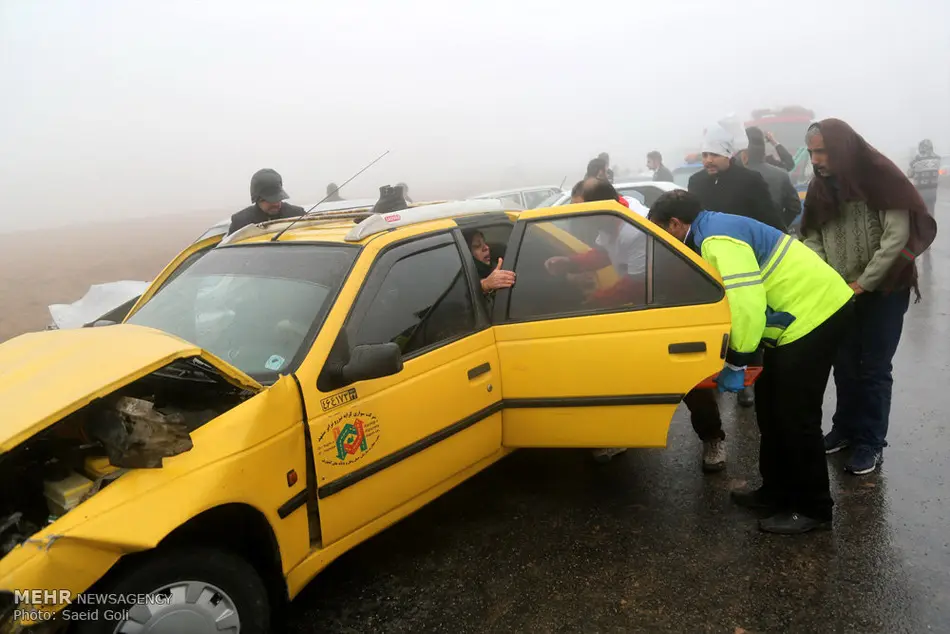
(524, 198)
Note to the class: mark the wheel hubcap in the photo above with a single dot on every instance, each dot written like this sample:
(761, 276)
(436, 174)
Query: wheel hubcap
(195, 607)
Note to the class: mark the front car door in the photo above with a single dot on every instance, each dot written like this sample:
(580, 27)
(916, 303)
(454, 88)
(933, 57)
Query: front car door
(601, 357)
(382, 444)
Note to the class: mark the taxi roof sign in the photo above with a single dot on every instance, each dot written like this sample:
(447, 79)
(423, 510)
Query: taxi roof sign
(378, 223)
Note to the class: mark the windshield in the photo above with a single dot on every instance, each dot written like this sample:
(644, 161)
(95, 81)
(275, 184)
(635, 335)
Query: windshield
(251, 305)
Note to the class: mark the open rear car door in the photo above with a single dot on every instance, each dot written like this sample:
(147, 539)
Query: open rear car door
(601, 355)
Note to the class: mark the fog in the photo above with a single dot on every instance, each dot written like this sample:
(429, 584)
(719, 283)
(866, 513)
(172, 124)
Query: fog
(115, 109)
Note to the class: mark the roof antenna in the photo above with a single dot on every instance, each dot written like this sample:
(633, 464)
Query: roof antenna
(281, 232)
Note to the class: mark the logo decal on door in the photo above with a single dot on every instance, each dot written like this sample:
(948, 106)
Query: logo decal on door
(348, 438)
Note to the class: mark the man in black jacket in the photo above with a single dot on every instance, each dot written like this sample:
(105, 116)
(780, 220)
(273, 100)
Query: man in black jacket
(784, 195)
(268, 196)
(660, 171)
(725, 185)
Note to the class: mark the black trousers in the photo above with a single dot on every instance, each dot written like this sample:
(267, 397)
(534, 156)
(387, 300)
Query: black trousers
(704, 410)
(704, 414)
(788, 400)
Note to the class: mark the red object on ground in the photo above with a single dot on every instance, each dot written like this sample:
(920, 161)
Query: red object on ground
(751, 374)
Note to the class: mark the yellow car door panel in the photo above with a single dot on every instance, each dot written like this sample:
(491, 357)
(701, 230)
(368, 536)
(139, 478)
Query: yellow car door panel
(384, 441)
(602, 361)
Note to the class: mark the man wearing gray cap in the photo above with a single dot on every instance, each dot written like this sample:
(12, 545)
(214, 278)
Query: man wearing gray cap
(268, 196)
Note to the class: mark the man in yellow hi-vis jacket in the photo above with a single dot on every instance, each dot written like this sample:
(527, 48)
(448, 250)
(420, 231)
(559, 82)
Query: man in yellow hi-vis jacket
(785, 298)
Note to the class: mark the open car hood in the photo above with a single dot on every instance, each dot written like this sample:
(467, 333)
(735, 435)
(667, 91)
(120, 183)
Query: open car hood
(47, 375)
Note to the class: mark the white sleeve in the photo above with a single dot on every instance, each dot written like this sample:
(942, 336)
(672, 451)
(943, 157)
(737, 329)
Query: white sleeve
(635, 253)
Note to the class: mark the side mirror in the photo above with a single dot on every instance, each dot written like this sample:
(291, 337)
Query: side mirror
(372, 361)
(103, 322)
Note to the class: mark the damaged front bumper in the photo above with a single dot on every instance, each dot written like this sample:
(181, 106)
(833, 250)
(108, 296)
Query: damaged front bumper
(45, 575)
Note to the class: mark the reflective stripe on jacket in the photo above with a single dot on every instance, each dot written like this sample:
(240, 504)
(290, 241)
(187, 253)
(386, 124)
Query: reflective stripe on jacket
(778, 289)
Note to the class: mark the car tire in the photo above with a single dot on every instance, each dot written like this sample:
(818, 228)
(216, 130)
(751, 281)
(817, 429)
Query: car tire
(239, 585)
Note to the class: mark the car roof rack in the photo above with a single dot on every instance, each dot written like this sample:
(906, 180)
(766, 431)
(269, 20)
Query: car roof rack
(379, 223)
(270, 226)
(517, 190)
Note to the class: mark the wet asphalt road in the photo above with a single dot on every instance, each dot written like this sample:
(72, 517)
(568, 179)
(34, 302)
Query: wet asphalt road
(548, 541)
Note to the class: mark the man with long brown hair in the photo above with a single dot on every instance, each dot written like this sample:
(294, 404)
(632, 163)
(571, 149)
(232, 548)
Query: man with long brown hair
(867, 220)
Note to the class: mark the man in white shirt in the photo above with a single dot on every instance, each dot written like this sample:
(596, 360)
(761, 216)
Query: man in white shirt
(618, 244)
(626, 248)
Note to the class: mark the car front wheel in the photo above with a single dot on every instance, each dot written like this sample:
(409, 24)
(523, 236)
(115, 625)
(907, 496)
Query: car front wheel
(196, 591)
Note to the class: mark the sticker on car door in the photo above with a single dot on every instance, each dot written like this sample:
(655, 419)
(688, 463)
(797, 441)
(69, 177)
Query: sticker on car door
(336, 400)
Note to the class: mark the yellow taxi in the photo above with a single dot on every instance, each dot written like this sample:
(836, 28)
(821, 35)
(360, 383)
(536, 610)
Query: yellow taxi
(278, 396)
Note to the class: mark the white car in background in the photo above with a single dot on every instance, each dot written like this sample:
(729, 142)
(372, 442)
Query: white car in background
(524, 198)
(111, 301)
(640, 194)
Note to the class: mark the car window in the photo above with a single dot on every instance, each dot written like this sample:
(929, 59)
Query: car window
(583, 264)
(533, 199)
(634, 193)
(512, 199)
(677, 282)
(424, 300)
(552, 200)
(649, 194)
(253, 306)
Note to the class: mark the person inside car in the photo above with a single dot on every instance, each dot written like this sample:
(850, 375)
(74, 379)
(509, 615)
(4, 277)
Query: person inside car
(492, 277)
(618, 244)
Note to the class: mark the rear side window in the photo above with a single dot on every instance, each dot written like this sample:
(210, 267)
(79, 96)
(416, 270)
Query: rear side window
(677, 282)
(534, 198)
(424, 301)
(512, 199)
(580, 265)
(650, 194)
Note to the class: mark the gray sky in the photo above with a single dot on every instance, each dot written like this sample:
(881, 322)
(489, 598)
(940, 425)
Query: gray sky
(122, 108)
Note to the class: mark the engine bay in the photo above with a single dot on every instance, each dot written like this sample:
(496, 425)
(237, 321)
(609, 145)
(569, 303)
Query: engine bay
(135, 427)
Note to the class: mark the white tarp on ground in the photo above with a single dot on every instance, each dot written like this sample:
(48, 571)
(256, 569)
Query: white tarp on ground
(98, 300)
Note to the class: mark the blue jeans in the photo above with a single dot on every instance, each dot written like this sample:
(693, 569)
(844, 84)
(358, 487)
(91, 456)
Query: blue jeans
(863, 367)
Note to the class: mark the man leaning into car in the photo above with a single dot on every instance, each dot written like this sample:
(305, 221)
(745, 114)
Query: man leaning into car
(268, 196)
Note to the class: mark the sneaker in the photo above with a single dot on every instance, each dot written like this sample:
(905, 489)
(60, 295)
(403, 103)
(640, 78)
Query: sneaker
(714, 455)
(604, 455)
(835, 441)
(864, 460)
(747, 397)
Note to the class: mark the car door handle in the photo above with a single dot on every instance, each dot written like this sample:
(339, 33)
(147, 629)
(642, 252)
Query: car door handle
(687, 347)
(479, 370)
